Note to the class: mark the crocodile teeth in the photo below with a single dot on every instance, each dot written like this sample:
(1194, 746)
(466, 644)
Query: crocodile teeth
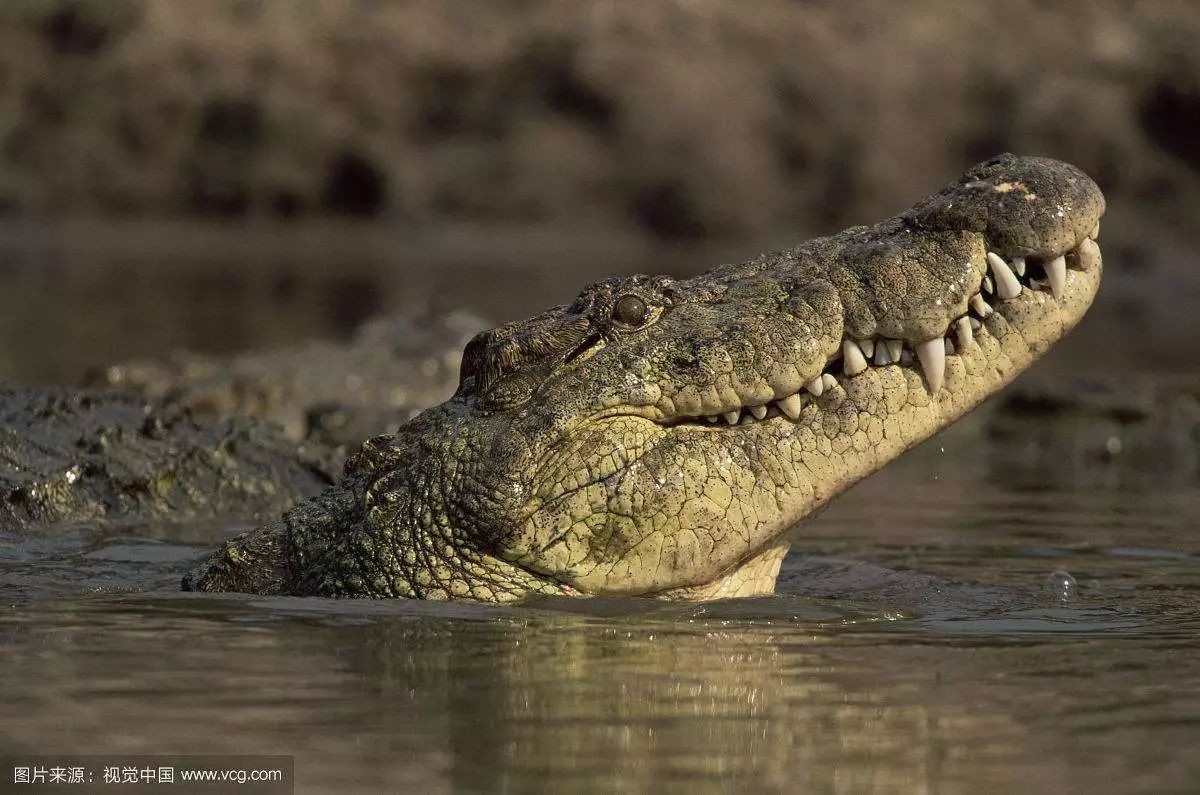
(868, 347)
(829, 381)
(712, 418)
(791, 405)
(980, 306)
(1056, 274)
(882, 355)
(815, 387)
(853, 361)
(975, 324)
(731, 417)
(894, 348)
(988, 287)
(1018, 265)
(1007, 286)
(1095, 235)
(932, 354)
(950, 349)
(759, 412)
(1088, 256)
(965, 333)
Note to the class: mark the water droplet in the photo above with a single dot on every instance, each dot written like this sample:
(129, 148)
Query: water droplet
(1113, 445)
(1063, 584)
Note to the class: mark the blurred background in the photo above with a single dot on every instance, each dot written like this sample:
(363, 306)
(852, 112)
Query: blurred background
(246, 174)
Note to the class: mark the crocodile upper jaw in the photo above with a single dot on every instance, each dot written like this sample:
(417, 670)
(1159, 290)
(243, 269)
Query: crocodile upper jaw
(766, 388)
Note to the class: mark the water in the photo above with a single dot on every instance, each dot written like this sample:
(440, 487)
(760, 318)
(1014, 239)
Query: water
(82, 293)
(989, 614)
(923, 641)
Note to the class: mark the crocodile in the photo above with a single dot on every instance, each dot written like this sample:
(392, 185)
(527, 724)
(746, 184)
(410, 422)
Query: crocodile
(661, 437)
(224, 438)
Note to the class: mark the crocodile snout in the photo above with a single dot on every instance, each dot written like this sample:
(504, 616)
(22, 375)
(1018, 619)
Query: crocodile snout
(1023, 206)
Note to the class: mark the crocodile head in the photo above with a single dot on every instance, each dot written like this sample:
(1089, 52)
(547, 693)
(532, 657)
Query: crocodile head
(663, 437)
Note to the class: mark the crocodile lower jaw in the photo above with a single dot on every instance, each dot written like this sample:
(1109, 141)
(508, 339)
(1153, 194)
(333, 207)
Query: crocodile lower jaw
(1001, 335)
(755, 577)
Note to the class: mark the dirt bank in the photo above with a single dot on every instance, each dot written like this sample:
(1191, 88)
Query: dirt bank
(681, 119)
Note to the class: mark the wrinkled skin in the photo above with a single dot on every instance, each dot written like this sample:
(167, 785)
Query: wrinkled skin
(578, 455)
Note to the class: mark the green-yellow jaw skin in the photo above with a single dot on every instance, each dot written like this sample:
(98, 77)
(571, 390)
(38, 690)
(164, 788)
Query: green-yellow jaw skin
(662, 437)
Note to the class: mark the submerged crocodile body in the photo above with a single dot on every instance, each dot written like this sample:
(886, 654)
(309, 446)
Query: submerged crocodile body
(662, 436)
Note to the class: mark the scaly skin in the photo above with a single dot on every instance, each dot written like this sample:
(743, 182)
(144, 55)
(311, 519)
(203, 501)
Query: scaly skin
(599, 449)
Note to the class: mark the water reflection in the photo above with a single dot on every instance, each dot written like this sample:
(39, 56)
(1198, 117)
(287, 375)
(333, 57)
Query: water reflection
(498, 702)
(921, 643)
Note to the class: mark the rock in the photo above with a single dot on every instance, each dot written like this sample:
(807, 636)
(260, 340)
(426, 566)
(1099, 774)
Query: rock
(106, 458)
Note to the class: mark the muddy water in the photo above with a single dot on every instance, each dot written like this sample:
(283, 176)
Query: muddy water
(963, 622)
(926, 638)
(79, 294)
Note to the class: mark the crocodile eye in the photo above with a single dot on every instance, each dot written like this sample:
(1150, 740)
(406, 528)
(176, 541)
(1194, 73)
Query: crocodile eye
(631, 310)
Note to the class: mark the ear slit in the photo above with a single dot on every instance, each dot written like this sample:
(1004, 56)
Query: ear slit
(590, 341)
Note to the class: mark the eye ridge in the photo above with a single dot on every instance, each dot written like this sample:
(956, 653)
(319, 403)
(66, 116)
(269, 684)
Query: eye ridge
(631, 310)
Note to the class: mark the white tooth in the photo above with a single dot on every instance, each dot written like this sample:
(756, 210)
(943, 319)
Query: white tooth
(853, 361)
(829, 381)
(980, 306)
(932, 354)
(882, 355)
(1034, 286)
(906, 356)
(894, 348)
(1088, 256)
(1018, 265)
(975, 324)
(747, 419)
(731, 417)
(712, 418)
(949, 346)
(988, 287)
(1056, 274)
(791, 405)
(965, 335)
(1095, 235)
(759, 412)
(1007, 286)
(816, 386)
(868, 347)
